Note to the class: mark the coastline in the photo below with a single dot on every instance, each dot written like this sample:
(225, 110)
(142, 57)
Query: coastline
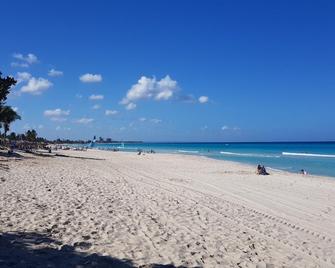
(252, 166)
(168, 209)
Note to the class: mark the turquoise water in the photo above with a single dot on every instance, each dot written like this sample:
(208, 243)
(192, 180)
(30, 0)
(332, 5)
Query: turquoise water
(316, 157)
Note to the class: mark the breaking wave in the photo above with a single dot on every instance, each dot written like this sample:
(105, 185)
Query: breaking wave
(188, 152)
(250, 155)
(309, 155)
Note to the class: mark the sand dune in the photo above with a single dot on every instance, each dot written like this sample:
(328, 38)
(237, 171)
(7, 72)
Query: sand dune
(159, 209)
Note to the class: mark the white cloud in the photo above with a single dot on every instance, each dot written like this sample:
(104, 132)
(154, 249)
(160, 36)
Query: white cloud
(164, 95)
(143, 89)
(155, 121)
(96, 107)
(55, 73)
(36, 86)
(19, 64)
(15, 109)
(230, 128)
(58, 119)
(131, 106)
(96, 97)
(203, 99)
(147, 88)
(111, 112)
(85, 120)
(57, 115)
(63, 128)
(56, 112)
(40, 126)
(166, 87)
(29, 59)
(90, 78)
(22, 76)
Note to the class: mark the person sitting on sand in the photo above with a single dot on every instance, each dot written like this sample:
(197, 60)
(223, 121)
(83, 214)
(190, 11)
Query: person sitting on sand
(264, 172)
(261, 170)
(303, 172)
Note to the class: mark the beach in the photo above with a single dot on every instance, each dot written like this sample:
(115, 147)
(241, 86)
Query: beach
(102, 209)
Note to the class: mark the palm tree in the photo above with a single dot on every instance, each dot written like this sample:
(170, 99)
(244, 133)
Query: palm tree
(31, 135)
(7, 116)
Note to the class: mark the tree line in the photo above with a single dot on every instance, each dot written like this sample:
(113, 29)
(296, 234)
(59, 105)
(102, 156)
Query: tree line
(29, 135)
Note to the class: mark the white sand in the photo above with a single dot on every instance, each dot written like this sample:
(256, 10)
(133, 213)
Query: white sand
(162, 209)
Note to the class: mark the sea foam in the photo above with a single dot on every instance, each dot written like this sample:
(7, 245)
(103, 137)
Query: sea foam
(309, 155)
(188, 152)
(250, 155)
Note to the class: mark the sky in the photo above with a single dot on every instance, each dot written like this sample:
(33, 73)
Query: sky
(161, 70)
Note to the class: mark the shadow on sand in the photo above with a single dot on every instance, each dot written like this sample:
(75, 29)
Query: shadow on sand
(79, 157)
(5, 157)
(12, 155)
(18, 249)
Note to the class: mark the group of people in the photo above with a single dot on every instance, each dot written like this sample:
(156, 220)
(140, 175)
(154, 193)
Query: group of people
(262, 171)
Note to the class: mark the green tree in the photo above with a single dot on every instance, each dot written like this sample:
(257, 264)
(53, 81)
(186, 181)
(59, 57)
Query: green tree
(31, 135)
(7, 115)
(21, 137)
(5, 86)
(12, 136)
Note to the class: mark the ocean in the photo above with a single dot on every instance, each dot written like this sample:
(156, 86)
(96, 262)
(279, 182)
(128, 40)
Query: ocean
(316, 158)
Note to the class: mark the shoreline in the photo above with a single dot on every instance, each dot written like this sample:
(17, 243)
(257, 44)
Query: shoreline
(232, 161)
(317, 158)
(105, 207)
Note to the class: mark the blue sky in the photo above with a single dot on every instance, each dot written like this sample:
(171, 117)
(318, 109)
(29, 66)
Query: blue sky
(172, 70)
